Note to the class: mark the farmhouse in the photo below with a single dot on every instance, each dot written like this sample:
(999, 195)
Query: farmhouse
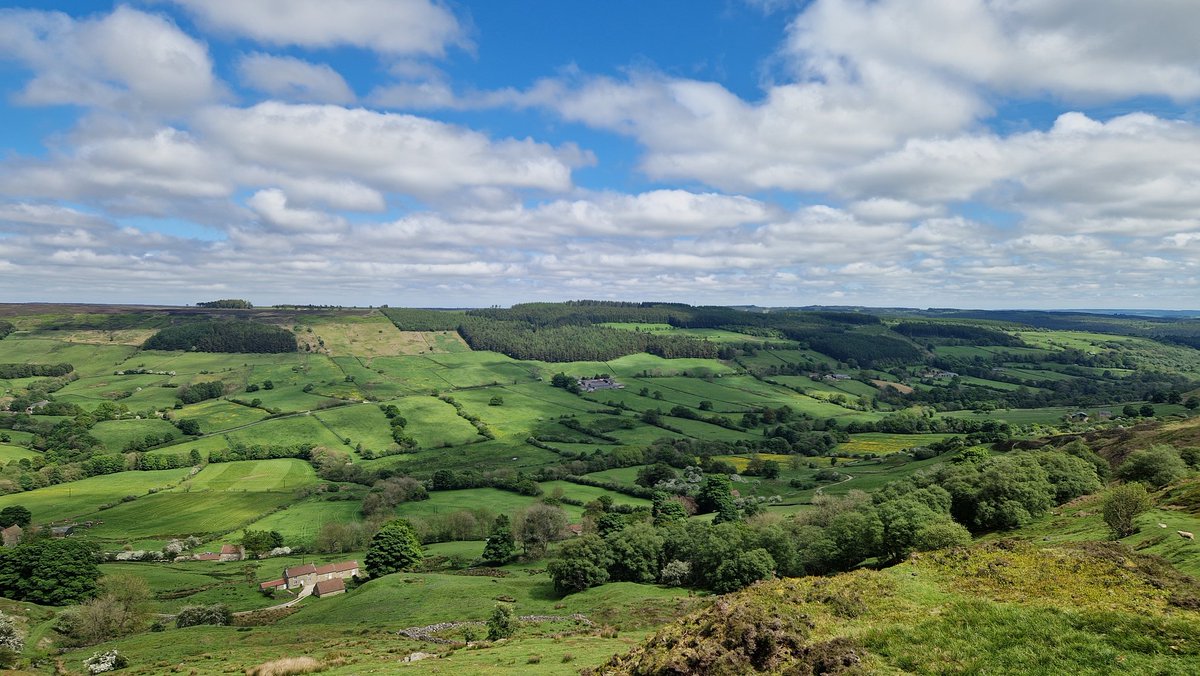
(232, 553)
(12, 535)
(309, 574)
(36, 405)
(330, 587)
(837, 376)
(605, 383)
(939, 374)
(1078, 416)
(207, 556)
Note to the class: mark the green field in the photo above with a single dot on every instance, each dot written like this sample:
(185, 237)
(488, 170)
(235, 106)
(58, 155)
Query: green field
(83, 498)
(153, 519)
(252, 476)
(883, 444)
(114, 434)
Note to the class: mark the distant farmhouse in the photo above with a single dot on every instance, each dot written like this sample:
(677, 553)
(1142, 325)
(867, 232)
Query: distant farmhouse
(939, 374)
(605, 383)
(830, 376)
(327, 579)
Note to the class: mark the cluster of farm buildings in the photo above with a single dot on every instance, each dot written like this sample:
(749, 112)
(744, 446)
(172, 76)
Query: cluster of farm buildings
(326, 580)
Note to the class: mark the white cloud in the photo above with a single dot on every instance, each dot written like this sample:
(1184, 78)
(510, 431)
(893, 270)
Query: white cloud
(400, 153)
(1089, 49)
(273, 209)
(389, 26)
(128, 60)
(294, 79)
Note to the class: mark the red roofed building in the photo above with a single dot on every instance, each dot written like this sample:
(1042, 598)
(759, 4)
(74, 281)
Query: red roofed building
(300, 576)
(208, 556)
(272, 584)
(232, 553)
(330, 587)
(308, 574)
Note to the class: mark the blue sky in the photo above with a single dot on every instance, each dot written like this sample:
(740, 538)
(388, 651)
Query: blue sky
(971, 153)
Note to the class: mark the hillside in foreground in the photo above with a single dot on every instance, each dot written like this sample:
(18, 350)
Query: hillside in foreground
(1002, 607)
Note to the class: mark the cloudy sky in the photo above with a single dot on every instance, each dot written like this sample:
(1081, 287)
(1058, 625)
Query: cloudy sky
(969, 153)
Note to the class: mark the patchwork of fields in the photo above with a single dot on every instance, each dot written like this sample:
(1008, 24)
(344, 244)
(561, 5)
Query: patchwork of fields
(486, 435)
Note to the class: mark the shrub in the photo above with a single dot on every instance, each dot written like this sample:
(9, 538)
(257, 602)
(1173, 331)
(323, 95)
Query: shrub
(1156, 466)
(675, 573)
(1121, 507)
(11, 642)
(941, 535)
(743, 570)
(216, 614)
(99, 663)
(503, 623)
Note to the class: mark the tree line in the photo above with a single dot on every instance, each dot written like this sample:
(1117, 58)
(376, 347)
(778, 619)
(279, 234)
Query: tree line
(223, 336)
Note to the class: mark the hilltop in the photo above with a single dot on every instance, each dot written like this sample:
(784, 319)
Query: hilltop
(1001, 607)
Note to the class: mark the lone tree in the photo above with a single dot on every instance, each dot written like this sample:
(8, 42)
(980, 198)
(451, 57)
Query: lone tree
(503, 622)
(393, 549)
(1122, 505)
(500, 547)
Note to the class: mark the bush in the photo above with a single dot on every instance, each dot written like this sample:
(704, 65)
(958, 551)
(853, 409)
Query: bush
(941, 535)
(743, 570)
(217, 614)
(100, 663)
(675, 573)
(581, 563)
(1156, 466)
(1121, 507)
(503, 623)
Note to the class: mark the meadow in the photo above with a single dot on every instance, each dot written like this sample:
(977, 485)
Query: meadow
(329, 395)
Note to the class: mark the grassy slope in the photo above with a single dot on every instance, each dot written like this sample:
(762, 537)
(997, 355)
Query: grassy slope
(1004, 607)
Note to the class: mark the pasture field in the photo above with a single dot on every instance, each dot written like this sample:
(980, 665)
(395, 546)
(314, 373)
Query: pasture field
(88, 360)
(300, 522)
(491, 499)
(417, 599)
(372, 335)
(362, 423)
(589, 493)
(522, 410)
(1072, 340)
(9, 453)
(883, 444)
(285, 474)
(216, 415)
(289, 398)
(741, 461)
(151, 520)
(296, 429)
(1035, 374)
(715, 335)
(82, 498)
(88, 392)
(175, 585)
(622, 475)
(114, 434)
(433, 422)
(993, 384)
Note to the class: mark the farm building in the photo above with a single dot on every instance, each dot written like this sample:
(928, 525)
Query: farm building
(309, 574)
(232, 553)
(605, 383)
(1078, 416)
(330, 587)
(207, 556)
(12, 535)
(36, 405)
(272, 584)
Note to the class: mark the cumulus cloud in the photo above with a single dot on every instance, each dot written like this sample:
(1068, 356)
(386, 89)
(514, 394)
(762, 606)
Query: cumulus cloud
(1089, 49)
(389, 26)
(294, 79)
(127, 59)
(402, 153)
